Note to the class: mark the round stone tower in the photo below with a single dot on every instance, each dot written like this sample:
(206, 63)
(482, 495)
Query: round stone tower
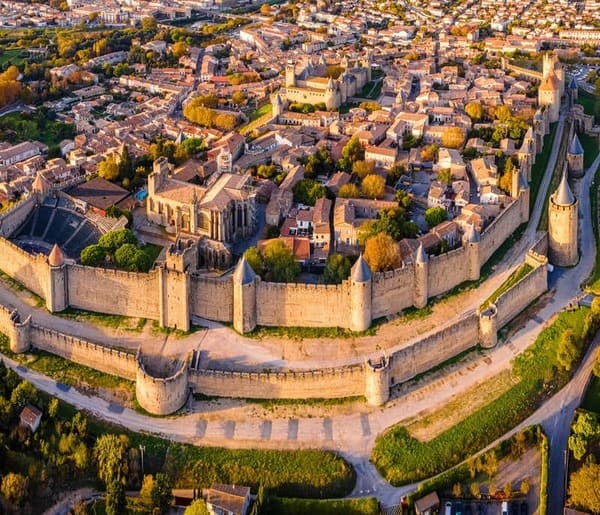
(244, 297)
(488, 327)
(56, 297)
(575, 157)
(19, 333)
(472, 244)
(562, 226)
(377, 381)
(421, 288)
(360, 295)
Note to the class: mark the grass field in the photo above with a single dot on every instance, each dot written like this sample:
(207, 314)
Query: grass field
(539, 167)
(365, 506)
(590, 149)
(590, 103)
(103, 319)
(307, 474)
(403, 459)
(510, 281)
(593, 283)
(12, 55)
(257, 118)
(66, 371)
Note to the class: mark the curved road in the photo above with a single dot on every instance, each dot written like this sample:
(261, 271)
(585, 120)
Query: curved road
(353, 435)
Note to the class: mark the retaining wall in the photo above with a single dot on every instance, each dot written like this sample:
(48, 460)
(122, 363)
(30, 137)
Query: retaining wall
(212, 298)
(13, 219)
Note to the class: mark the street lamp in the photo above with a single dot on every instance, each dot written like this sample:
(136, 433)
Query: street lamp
(142, 449)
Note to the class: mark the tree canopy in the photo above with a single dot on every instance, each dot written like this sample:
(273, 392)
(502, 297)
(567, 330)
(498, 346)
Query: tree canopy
(373, 186)
(381, 253)
(276, 263)
(435, 216)
(308, 191)
(337, 269)
(584, 488)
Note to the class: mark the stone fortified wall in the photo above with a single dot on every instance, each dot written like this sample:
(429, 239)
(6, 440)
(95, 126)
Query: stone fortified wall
(93, 355)
(161, 395)
(373, 379)
(12, 220)
(172, 295)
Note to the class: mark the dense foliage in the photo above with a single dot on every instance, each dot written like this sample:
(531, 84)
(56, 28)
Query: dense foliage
(403, 459)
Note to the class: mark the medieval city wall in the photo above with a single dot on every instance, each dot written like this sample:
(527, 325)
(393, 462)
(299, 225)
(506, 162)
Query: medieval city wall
(13, 219)
(113, 291)
(161, 395)
(310, 305)
(392, 291)
(93, 355)
(32, 272)
(529, 288)
(434, 349)
(211, 298)
(447, 270)
(325, 383)
(500, 229)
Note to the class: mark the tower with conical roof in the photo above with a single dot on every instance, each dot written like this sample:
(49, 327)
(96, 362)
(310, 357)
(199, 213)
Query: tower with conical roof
(472, 245)
(562, 226)
(549, 95)
(575, 157)
(278, 106)
(56, 296)
(360, 295)
(421, 287)
(244, 297)
(573, 90)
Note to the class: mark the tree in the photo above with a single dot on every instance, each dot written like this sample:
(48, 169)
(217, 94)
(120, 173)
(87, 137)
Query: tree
(568, 350)
(109, 169)
(525, 487)
(115, 498)
(505, 183)
(179, 49)
(456, 490)
(445, 176)
(109, 453)
(584, 430)
(238, 98)
(363, 168)
(507, 489)
(353, 151)
(584, 488)
(474, 489)
(307, 191)
(129, 257)
(125, 164)
(280, 264)
(474, 110)
(349, 190)
(112, 240)
(161, 493)
(265, 9)
(92, 255)
(146, 491)
(337, 269)
(429, 152)
(435, 216)
(15, 488)
(255, 260)
(596, 369)
(198, 507)
(453, 137)
(373, 186)
(503, 113)
(381, 253)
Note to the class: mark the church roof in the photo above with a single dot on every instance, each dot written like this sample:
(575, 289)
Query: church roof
(563, 195)
(575, 146)
(360, 271)
(56, 257)
(243, 272)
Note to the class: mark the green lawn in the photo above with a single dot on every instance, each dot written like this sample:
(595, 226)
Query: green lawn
(103, 319)
(541, 161)
(66, 371)
(590, 149)
(590, 103)
(510, 281)
(13, 56)
(402, 459)
(365, 506)
(593, 283)
(307, 474)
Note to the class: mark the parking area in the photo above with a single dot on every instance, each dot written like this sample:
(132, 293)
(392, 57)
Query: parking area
(484, 507)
